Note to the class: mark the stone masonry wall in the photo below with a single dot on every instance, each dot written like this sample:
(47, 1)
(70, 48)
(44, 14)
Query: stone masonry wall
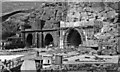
(51, 13)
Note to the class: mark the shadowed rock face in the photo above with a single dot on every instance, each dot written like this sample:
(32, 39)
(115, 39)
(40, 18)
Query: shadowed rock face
(6, 16)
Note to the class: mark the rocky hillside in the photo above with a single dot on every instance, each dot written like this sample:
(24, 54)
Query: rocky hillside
(50, 12)
(107, 13)
(105, 17)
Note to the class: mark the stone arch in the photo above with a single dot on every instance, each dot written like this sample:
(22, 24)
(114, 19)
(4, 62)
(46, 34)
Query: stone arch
(73, 37)
(29, 39)
(48, 39)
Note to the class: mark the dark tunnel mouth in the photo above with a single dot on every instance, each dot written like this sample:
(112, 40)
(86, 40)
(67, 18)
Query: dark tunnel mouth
(29, 39)
(48, 39)
(73, 38)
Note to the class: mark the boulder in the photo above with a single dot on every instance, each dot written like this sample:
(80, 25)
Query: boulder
(111, 14)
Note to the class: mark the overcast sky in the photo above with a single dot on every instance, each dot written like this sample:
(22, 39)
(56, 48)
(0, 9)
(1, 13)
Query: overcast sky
(68, 0)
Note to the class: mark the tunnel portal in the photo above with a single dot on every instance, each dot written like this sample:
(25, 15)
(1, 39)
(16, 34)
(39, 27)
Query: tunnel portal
(48, 39)
(73, 38)
(29, 40)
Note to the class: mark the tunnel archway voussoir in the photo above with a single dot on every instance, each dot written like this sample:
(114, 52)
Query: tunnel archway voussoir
(73, 37)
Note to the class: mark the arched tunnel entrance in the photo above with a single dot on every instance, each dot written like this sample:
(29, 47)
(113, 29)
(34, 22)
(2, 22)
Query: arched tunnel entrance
(29, 40)
(48, 39)
(73, 38)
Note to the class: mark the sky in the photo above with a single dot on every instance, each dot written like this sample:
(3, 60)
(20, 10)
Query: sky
(67, 0)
